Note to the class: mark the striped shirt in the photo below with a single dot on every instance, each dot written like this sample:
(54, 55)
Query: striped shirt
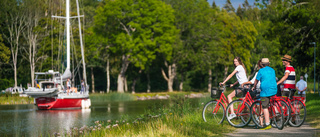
(291, 80)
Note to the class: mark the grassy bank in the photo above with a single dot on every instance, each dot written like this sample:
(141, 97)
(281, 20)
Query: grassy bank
(8, 98)
(97, 97)
(179, 119)
(313, 110)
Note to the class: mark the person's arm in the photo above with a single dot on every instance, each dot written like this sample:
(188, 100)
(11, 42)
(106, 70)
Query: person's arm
(305, 86)
(230, 76)
(245, 83)
(283, 78)
(297, 88)
(234, 83)
(255, 84)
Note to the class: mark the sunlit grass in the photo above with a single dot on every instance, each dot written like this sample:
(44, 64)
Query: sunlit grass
(15, 100)
(179, 119)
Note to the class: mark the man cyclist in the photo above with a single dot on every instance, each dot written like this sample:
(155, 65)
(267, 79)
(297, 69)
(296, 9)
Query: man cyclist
(289, 77)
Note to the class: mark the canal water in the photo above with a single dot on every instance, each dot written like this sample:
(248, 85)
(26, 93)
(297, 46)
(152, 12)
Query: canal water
(27, 120)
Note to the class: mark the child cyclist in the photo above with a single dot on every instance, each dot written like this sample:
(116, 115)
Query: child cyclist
(240, 72)
(268, 86)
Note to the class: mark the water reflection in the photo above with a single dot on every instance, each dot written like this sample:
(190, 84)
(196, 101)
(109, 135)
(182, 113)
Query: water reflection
(50, 121)
(26, 120)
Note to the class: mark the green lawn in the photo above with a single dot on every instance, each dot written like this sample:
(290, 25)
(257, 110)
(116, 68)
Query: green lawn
(313, 110)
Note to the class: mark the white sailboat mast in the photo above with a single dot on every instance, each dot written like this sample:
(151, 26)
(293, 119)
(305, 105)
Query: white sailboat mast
(81, 44)
(68, 32)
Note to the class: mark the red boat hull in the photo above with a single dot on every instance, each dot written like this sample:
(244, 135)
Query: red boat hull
(58, 103)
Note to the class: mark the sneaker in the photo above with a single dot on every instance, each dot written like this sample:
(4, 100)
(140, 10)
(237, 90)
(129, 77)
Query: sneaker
(232, 116)
(266, 128)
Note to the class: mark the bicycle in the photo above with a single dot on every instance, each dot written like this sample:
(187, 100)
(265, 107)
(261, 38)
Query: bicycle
(298, 109)
(241, 107)
(215, 110)
(275, 113)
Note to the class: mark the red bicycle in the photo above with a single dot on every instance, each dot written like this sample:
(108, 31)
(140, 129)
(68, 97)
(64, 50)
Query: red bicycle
(298, 109)
(241, 107)
(215, 110)
(275, 113)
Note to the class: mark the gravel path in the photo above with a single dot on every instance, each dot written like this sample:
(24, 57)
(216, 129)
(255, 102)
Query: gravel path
(304, 131)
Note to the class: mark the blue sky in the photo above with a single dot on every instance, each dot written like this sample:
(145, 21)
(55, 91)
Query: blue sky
(235, 3)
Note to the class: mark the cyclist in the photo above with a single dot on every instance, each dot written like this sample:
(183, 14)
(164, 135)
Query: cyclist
(240, 72)
(267, 77)
(289, 77)
(254, 78)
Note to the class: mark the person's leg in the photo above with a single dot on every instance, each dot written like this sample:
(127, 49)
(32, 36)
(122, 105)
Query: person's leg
(266, 116)
(265, 105)
(305, 98)
(230, 96)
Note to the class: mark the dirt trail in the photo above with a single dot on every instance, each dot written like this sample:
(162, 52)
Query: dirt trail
(304, 131)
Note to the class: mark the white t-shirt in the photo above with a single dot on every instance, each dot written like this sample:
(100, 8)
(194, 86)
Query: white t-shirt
(241, 74)
(253, 79)
(301, 85)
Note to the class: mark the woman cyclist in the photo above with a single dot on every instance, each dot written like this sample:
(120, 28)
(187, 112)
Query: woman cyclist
(240, 72)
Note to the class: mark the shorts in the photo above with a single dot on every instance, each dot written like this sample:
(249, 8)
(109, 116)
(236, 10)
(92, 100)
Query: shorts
(278, 90)
(265, 102)
(288, 93)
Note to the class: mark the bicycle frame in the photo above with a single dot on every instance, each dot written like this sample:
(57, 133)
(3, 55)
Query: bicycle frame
(247, 99)
(223, 100)
(273, 109)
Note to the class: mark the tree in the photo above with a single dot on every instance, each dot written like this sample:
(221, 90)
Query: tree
(295, 24)
(228, 6)
(14, 23)
(32, 33)
(237, 38)
(136, 30)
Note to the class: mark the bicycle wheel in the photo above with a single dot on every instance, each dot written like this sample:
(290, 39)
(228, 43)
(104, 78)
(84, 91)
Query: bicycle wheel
(241, 111)
(256, 114)
(286, 111)
(277, 115)
(213, 112)
(299, 113)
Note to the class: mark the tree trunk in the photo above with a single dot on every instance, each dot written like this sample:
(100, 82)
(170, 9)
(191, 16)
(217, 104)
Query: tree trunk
(92, 80)
(225, 72)
(181, 82)
(125, 85)
(133, 85)
(135, 81)
(210, 80)
(148, 85)
(108, 76)
(15, 74)
(216, 80)
(120, 83)
(171, 75)
(121, 76)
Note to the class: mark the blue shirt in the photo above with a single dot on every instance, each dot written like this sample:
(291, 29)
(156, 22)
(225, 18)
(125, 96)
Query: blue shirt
(267, 78)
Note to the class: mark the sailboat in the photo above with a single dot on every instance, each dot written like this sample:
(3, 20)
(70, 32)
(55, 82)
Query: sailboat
(50, 92)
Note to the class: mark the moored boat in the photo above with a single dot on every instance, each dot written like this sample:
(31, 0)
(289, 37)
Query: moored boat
(54, 90)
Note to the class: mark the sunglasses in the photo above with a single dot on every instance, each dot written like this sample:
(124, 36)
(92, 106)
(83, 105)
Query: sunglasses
(286, 60)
